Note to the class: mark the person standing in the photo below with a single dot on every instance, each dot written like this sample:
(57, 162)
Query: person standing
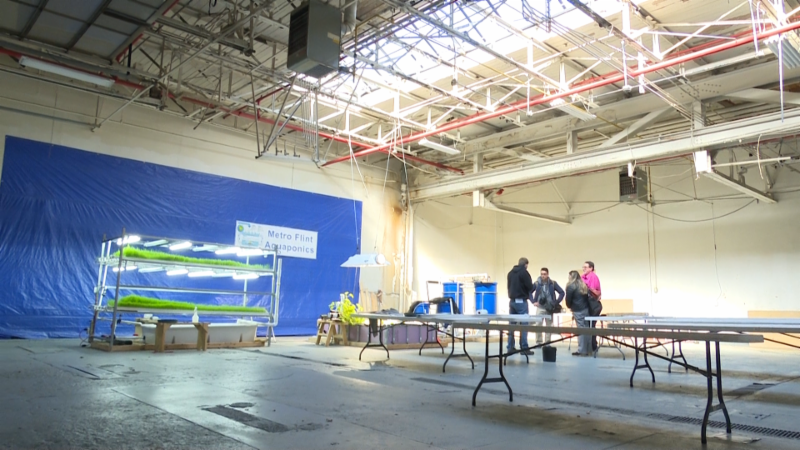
(520, 288)
(544, 299)
(578, 302)
(593, 284)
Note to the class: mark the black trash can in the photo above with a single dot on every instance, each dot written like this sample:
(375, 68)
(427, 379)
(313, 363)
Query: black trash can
(549, 353)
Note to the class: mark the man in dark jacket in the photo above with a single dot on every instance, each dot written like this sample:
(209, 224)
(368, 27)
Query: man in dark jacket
(545, 301)
(520, 288)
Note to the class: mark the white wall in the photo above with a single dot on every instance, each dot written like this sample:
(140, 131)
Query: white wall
(145, 134)
(678, 264)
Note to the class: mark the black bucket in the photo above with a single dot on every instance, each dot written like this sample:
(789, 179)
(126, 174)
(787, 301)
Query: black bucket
(549, 354)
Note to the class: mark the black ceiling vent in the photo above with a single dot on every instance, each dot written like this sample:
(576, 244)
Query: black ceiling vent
(314, 36)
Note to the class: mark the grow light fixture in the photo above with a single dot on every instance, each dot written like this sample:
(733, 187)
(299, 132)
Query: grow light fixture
(151, 269)
(222, 274)
(130, 239)
(436, 146)
(177, 272)
(205, 248)
(180, 245)
(245, 276)
(155, 243)
(227, 251)
(201, 273)
(250, 252)
(366, 260)
(45, 66)
(127, 268)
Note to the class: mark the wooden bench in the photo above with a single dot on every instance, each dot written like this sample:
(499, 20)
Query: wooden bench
(161, 333)
(331, 330)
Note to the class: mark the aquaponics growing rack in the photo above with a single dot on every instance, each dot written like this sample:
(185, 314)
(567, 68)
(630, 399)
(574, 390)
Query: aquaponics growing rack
(113, 259)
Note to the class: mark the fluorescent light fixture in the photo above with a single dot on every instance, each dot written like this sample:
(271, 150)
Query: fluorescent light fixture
(366, 260)
(573, 111)
(180, 245)
(127, 268)
(250, 252)
(436, 146)
(245, 276)
(174, 272)
(155, 243)
(743, 188)
(227, 251)
(45, 66)
(201, 273)
(131, 239)
(205, 248)
(151, 269)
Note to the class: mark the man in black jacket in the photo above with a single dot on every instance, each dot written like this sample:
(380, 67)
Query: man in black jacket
(520, 288)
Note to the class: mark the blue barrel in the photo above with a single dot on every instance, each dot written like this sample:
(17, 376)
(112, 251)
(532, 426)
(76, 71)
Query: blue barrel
(486, 297)
(456, 292)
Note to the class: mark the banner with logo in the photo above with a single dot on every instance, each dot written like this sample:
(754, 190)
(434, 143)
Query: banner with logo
(289, 241)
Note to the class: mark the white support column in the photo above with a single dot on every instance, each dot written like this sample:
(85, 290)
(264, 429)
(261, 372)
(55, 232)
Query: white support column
(478, 197)
(572, 142)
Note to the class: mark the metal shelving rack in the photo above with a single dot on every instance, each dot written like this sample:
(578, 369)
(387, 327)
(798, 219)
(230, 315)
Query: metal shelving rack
(109, 261)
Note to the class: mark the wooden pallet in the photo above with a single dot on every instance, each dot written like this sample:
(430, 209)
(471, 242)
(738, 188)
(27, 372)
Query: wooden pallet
(101, 345)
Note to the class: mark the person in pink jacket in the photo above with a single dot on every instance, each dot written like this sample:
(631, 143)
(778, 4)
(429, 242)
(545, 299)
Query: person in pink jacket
(593, 283)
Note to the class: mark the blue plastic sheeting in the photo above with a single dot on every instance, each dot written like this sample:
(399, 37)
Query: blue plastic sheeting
(56, 203)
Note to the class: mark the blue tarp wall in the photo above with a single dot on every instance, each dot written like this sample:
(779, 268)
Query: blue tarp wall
(56, 203)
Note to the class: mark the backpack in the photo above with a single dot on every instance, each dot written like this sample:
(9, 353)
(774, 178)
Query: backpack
(595, 307)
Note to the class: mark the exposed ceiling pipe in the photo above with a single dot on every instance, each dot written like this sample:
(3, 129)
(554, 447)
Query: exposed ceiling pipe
(576, 90)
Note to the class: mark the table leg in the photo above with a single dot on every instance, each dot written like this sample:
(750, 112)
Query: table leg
(161, 336)
(202, 336)
(646, 364)
(485, 378)
(428, 329)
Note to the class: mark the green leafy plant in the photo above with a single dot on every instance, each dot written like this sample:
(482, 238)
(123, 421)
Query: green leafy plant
(346, 308)
(132, 252)
(138, 301)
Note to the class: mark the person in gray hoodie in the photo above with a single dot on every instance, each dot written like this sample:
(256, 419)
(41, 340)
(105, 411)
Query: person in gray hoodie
(545, 301)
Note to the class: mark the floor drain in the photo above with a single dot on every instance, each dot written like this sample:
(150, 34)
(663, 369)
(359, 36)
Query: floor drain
(763, 431)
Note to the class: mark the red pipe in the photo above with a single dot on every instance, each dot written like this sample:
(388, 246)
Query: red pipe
(125, 50)
(577, 90)
(325, 135)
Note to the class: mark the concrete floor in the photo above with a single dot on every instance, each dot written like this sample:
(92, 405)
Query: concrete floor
(296, 395)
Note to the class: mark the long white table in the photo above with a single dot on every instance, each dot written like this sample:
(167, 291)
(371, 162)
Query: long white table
(788, 327)
(711, 371)
(432, 321)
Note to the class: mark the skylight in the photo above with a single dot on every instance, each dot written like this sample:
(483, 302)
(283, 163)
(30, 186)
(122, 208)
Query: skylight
(426, 53)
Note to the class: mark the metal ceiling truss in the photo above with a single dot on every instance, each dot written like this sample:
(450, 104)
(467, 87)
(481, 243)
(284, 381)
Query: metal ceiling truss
(233, 59)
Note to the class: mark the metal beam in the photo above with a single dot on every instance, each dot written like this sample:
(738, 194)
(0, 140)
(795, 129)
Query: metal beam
(635, 127)
(765, 96)
(529, 215)
(100, 10)
(32, 20)
(710, 87)
(741, 187)
(727, 133)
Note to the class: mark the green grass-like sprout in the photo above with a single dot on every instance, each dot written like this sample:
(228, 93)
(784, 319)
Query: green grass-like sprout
(132, 252)
(138, 301)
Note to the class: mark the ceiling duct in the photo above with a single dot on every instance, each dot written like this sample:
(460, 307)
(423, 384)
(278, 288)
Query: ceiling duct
(349, 18)
(314, 39)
